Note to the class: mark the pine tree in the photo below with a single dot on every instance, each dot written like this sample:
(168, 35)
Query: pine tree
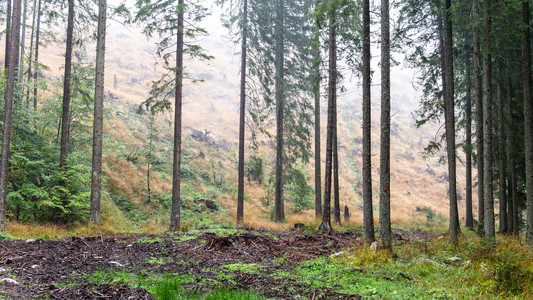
(368, 216)
(487, 122)
(479, 116)
(166, 19)
(65, 116)
(316, 94)
(450, 122)
(240, 200)
(8, 111)
(98, 127)
(385, 233)
(528, 117)
(332, 85)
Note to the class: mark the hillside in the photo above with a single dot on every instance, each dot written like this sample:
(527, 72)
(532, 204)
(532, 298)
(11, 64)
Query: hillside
(210, 119)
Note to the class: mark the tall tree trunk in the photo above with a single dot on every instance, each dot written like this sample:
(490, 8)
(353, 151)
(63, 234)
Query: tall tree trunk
(511, 200)
(479, 117)
(450, 123)
(98, 128)
(332, 84)
(240, 193)
(36, 69)
(501, 155)
(175, 217)
(280, 106)
(65, 116)
(468, 107)
(528, 118)
(368, 214)
(30, 60)
(385, 234)
(316, 93)
(23, 41)
(487, 122)
(8, 34)
(336, 199)
(8, 112)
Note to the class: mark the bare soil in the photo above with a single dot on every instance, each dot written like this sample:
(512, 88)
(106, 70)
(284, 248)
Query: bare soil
(56, 268)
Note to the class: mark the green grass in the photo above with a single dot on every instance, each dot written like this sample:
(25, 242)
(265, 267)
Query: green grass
(169, 286)
(245, 268)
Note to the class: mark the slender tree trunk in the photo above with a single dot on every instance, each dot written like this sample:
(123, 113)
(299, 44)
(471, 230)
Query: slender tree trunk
(332, 83)
(23, 41)
(336, 199)
(501, 156)
(30, 60)
(385, 233)
(468, 107)
(8, 34)
(479, 117)
(450, 123)
(98, 128)
(36, 69)
(487, 122)
(528, 118)
(280, 106)
(240, 196)
(65, 116)
(8, 113)
(175, 217)
(511, 200)
(368, 214)
(316, 93)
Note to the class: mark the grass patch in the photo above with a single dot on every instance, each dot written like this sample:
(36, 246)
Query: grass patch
(245, 268)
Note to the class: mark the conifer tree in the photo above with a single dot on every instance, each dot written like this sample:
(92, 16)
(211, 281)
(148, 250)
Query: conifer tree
(8, 111)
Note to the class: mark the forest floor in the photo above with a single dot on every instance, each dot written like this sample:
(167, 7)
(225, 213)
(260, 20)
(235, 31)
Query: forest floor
(201, 263)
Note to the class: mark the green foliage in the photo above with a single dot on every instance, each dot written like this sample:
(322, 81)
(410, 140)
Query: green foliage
(254, 168)
(37, 190)
(300, 193)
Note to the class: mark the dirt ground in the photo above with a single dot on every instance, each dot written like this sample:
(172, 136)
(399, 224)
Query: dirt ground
(54, 269)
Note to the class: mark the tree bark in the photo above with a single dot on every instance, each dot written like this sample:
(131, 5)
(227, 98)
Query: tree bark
(98, 128)
(8, 34)
(450, 123)
(316, 93)
(528, 118)
(175, 216)
(487, 122)
(468, 107)
(30, 60)
(280, 105)
(368, 214)
(332, 84)
(385, 233)
(65, 116)
(23, 41)
(511, 197)
(502, 156)
(336, 199)
(35, 72)
(479, 117)
(240, 192)
(8, 112)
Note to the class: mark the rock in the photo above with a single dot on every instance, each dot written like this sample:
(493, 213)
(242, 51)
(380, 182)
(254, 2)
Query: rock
(374, 246)
(454, 259)
(30, 241)
(8, 280)
(116, 263)
(337, 254)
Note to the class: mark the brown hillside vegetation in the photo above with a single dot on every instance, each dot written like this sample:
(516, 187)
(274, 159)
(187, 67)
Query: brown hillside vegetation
(419, 185)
